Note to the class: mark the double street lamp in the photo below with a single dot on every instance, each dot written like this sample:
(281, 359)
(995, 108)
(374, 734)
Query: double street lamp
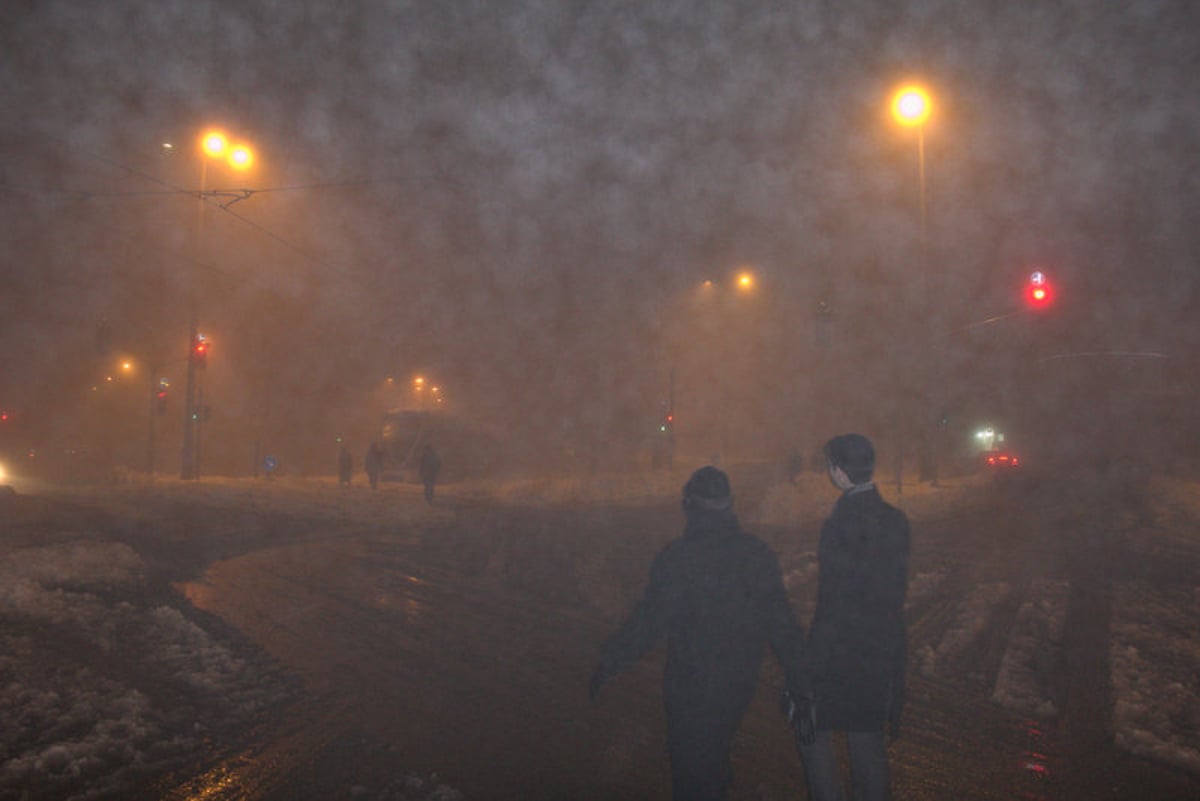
(214, 146)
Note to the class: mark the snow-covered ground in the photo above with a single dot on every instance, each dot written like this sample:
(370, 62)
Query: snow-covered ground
(74, 728)
(70, 725)
(1154, 650)
(75, 722)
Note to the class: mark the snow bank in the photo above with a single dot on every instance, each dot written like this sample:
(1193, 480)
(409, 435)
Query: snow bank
(1155, 665)
(1034, 649)
(88, 564)
(79, 719)
(970, 621)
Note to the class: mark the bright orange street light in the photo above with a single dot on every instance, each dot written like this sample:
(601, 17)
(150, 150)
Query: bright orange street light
(911, 106)
(745, 281)
(241, 157)
(215, 144)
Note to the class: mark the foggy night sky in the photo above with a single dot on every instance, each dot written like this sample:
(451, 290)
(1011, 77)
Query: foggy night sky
(520, 199)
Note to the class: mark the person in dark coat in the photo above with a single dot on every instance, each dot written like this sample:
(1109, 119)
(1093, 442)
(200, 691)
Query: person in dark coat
(716, 595)
(857, 644)
(430, 467)
(373, 463)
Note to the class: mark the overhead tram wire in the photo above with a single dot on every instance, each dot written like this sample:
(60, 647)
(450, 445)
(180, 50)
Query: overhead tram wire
(1132, 354)
(239, 194)
(208, 196)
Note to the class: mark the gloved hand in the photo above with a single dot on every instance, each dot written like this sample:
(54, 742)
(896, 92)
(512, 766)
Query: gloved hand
(801, 714)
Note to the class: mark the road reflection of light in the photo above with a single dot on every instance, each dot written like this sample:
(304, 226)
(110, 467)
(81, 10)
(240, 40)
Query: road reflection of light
(1035, 759)
(414, 610)
(215, 784)
(404, 601)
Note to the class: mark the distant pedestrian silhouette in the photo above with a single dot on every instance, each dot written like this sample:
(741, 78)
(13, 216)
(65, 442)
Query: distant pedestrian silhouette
(430, 467)
(373, 463)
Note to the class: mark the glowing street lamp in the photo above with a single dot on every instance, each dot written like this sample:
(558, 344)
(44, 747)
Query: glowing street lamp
(910, 106)
(216, 145)
(241, 157)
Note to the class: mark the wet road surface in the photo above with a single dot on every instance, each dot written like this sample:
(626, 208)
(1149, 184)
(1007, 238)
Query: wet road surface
(461, 646)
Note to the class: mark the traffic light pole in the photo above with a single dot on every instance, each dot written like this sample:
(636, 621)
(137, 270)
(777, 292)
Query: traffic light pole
(188, 470)
(197, 439)
(150, 432)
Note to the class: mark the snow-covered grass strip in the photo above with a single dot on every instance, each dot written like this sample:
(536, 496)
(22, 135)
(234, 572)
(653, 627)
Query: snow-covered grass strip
(1155, 667)
(970, 622)
(1033, 652)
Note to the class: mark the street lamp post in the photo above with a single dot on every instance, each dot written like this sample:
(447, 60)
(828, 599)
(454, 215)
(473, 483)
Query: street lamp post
(213, 145)
(911, 107)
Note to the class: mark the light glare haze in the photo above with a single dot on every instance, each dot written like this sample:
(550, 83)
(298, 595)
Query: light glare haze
(523, 200)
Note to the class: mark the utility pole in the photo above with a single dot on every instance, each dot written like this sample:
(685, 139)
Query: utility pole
(150, 433)
(188, 470)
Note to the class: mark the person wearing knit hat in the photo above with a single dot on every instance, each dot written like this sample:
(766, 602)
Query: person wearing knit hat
(716, 596)
(857, 644)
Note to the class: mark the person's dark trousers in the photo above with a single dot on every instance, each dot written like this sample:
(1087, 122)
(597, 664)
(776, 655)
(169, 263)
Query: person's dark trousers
(700, 764)
(868, 767)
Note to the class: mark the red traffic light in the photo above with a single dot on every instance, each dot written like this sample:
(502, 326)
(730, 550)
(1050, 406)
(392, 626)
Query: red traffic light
(1039, 292)
(200, 346)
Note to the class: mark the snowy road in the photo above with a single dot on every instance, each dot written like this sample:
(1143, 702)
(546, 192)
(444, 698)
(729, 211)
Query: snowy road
(451, 646)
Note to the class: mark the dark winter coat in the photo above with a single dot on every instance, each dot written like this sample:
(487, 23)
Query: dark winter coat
(373, 461)
(430, 466)
(857, 644)
(716, 595)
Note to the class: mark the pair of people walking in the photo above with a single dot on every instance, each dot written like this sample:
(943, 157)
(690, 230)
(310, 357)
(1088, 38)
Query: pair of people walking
(716, 595)
(429, 467)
